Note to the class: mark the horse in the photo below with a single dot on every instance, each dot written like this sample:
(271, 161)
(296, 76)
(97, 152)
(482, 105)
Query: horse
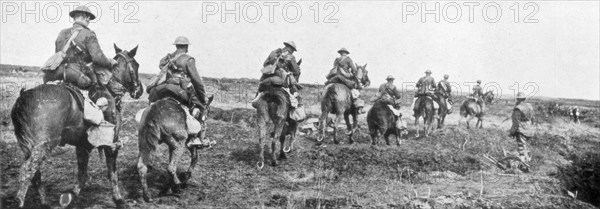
(337, 100)
(49, 115)
(425, 109)
(165, 122)
(443, 104)
(381, 121)
(470, 108)
(275, 106)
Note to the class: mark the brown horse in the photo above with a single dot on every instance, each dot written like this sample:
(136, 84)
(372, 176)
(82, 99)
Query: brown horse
(381, 121)
(338, 100)
(49, 115)
(275, 106)
(470, 108)
(165, 122)
(425, 109)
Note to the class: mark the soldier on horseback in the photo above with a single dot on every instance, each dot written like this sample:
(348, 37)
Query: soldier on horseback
(444, 90)
(181, 81)
(522, 113)
(82, 55)
(344, 71)
(281, 63)
(426, 87)
(389, 93)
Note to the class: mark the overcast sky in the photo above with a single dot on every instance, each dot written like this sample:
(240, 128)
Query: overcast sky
(558, 49)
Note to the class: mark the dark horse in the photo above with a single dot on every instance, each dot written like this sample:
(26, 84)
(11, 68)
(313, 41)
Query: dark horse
(470, 108)
(275, 106)
(48, 115)
(425, 109)
(338, 100)
(381, 121)
(165, 122)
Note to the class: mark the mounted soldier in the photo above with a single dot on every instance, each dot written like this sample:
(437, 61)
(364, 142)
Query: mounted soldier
(281, 69)
(426, 88)
(179, 79)
(389, 94)
(444, 90)
(344, 71)
(523, 113)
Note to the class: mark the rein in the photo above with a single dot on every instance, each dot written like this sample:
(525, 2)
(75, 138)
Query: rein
(116, 86)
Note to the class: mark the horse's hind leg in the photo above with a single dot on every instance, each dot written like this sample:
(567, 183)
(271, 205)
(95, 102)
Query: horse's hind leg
(417, 126)
(278, 134)
(262, 129)
(83, 156)
(387, 137)
(480, 122)
(39, 185)
(336, 121)
(175, 153)
(322, 127)
(194, 160)
(27, 171)
(111, 162)
(143, 160)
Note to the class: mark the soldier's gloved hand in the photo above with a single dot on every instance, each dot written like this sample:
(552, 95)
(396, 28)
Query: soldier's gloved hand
(113, 62)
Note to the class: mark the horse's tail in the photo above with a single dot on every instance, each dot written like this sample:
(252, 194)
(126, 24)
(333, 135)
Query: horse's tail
(23, 125)
(328, 101)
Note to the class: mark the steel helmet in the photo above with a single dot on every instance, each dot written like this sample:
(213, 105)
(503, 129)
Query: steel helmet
(291, 44)
(428, 72)
(479, 81)
(181, 40)
(83, 9)
(520, 95)
(446, 76)
(390, 77)
(343, 50)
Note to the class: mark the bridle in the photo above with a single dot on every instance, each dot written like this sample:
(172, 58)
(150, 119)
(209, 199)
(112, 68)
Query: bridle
(118, 84)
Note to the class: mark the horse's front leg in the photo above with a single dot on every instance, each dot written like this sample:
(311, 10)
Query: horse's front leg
(322, 127)
(194, 160)
(262, 129)
(111, 164)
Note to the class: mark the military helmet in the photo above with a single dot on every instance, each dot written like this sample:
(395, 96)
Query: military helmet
(479, 81)
(428, 71)
(520, 95)
(390, 77)
(83, 9)
(290, 44)
(446, 76)
(343, 50)
(181, 40)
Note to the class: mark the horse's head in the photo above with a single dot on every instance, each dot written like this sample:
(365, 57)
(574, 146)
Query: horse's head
(363, 75)
(126, 71)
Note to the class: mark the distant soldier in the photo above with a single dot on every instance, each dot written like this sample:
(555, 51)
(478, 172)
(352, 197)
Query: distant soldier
(522, 117)
(426, 87)
(344, 71)
(575, 114)
(389, 88)
(183, 83)
(285, 63)
(445, 91)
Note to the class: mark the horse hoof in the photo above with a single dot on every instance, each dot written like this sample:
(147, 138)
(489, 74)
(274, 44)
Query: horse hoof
(320, 139)
(260, 165)
(121, 204)
(287, 149)
(66, 199)
(147, 198)
(282, 156)
(274, 163)
(176, 189)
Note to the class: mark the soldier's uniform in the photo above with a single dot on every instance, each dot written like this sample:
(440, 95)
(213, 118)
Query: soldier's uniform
(478, 91)
(444, 90)
(389, 89)
(425, 87)
(522, 116)
(82, 57)
(184, 84)
(286, 63)
(343, 71)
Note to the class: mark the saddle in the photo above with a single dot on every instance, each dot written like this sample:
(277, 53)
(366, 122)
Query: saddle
(77, 95)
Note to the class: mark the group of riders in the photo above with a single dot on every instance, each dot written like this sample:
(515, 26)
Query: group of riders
(179, 78)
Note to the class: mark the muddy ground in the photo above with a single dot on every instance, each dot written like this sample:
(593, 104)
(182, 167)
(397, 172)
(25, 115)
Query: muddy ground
(445, 170)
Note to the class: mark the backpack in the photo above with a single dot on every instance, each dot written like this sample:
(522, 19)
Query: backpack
(55, 60)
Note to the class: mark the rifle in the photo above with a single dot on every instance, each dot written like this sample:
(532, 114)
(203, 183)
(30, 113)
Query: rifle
(162, 75)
